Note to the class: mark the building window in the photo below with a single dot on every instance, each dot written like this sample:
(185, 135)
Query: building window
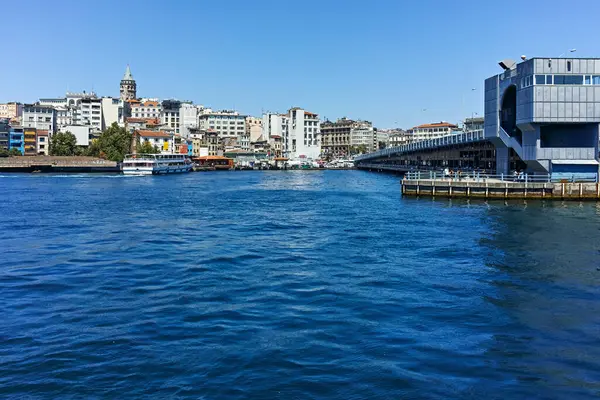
(540, 79)
(569, 66)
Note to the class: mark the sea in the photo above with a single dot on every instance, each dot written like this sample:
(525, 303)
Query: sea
(292, 285)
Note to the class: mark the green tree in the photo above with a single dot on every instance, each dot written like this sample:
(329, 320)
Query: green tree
(14, 152)
(112, 144)
(3, 152)
(63, 144)
(147, 148)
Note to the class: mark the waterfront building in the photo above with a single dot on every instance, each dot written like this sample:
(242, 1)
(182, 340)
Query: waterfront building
(43, 142)
(275, 129)
(227, 123)
(16, 139)
(39, 117)
(11, 111)
(253, 128)
(303, 134)
(128, 87)
(363, 137)
(337, 138)
(163, 141)
(30, 139)
(431, 131)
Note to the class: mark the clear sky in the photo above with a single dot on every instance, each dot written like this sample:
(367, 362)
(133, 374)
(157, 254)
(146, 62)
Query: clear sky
(396, 63)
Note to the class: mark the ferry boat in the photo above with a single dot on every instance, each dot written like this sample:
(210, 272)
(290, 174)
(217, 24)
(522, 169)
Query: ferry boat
(156, 164)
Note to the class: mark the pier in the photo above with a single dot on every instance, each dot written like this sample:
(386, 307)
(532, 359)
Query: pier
(499, 187)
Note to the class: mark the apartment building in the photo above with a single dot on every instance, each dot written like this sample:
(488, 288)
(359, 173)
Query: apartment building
(431, 131)
(39, 117)
(339, 137)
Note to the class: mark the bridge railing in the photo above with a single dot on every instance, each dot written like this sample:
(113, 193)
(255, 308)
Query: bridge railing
(478, 176)
(455, 138)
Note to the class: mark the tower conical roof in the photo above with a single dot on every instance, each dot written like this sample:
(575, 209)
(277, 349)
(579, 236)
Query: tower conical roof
(127, 76)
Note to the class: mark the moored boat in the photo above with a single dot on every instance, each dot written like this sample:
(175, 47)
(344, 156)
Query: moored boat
(156, 164)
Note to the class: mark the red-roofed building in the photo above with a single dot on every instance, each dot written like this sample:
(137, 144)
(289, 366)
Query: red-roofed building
(431, 131)
(161, 140)
(146, 109)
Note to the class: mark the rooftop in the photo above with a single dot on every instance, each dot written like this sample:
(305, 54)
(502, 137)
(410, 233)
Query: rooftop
(441, 124)
(156, 134)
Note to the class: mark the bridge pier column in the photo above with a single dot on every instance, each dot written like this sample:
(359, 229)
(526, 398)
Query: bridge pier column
(502, 160)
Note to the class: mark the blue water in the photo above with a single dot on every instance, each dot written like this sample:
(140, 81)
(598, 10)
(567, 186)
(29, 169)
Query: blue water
(291, 285)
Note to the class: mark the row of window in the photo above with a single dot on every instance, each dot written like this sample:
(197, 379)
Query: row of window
(560, 80)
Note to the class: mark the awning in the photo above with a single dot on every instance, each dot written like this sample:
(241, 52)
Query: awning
(575, 162)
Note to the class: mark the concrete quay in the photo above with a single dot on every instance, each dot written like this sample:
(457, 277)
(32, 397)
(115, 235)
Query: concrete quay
(492, 189)
(57, 164)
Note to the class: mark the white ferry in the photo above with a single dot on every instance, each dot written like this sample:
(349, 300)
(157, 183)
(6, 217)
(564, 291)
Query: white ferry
(155, 164)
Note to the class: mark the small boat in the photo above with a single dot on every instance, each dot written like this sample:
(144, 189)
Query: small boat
(156, 164)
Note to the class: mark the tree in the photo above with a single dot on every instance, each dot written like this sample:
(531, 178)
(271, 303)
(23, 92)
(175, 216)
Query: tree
(3, 152)
(14, 152)
(63, 144)
(147, 148)
(113, 144)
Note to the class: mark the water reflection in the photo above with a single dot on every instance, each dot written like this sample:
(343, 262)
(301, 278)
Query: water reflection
(546, 293)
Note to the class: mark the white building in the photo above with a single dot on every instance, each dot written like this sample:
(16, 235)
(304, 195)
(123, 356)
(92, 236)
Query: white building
(161, 140)
(39, 117)
(303, 135)
(363, 135)
(188, 114)
(82, 133)
(84, 109)
(149, 108)
(113, 110)
(226, 123)
(431, 131)
(170, 116)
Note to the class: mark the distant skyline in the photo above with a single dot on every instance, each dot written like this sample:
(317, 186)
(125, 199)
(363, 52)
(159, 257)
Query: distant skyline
(395, 63)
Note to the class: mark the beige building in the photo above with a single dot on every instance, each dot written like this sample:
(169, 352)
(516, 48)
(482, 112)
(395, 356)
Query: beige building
(338, 137)
(254, 128)
(12, 110)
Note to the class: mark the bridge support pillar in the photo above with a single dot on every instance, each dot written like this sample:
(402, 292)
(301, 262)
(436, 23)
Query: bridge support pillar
(502, 160)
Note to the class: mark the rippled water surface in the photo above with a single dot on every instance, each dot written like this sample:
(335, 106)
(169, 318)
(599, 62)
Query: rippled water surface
(291, 285)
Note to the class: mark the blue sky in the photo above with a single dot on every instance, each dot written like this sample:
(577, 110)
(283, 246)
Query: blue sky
(396, 63)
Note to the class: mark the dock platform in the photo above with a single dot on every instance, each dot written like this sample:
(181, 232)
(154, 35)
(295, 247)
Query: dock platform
(496, 189)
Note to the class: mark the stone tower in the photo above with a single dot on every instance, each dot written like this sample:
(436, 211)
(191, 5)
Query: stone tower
(128, 86)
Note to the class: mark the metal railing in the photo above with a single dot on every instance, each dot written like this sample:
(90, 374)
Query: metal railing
(478, 176)
(456, 138)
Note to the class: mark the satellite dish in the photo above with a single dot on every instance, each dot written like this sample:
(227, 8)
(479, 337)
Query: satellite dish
(523, 57)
